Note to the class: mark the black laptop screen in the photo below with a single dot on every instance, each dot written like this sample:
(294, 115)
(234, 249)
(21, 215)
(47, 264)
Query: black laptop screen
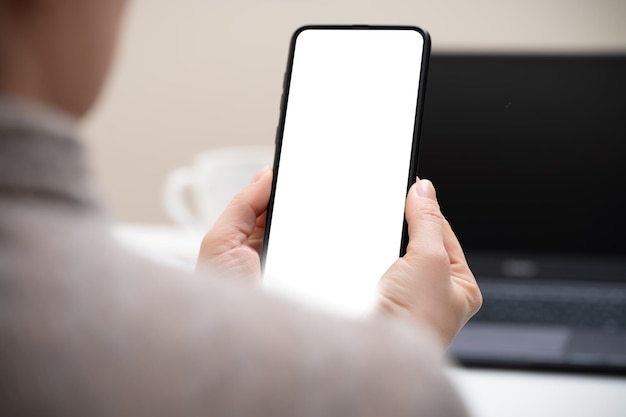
(529, 152)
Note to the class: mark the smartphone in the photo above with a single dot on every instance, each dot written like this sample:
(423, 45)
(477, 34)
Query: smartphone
(346, 153)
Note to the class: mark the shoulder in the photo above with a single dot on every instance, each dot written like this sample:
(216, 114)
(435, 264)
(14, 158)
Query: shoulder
(103, 324)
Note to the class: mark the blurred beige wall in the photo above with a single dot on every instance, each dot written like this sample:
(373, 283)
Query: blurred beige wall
(198, 74)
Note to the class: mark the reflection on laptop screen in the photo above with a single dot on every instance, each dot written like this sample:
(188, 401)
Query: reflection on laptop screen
(528, 154)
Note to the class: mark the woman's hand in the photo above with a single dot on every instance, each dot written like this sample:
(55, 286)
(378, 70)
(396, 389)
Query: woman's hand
(432, 284)
(233, 245)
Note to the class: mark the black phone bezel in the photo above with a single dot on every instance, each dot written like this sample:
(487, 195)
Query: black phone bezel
(412, 175)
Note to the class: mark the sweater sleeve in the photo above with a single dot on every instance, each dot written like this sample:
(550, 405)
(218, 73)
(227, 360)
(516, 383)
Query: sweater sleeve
(89, 330)
(115, 335)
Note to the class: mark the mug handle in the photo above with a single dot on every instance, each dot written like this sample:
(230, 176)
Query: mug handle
(174, 202)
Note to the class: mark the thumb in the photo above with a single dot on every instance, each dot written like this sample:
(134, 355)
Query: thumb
(426, 224)
(240, 216)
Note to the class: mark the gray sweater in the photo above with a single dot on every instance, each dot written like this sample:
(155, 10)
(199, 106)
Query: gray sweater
(87, 329)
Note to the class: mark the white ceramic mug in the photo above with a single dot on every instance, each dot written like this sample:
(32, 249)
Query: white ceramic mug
(210, 182)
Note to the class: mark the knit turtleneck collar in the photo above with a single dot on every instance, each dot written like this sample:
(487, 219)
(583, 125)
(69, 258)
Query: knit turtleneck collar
(40, 156)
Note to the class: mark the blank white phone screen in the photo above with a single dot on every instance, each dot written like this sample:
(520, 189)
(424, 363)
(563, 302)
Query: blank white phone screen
(344, 164)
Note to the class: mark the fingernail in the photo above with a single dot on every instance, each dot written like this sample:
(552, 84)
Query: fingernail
(426, 189)
(260, 174)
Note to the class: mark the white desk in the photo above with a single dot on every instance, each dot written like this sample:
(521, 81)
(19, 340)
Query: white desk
(488, 393)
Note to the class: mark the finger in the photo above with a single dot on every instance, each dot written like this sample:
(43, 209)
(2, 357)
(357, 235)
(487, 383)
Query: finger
(452, 245)
(424, 218)
(241, 214)
(255, 241)
(461, 272)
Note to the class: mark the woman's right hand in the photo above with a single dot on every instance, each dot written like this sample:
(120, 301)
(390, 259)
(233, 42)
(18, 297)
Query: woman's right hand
(432, 284)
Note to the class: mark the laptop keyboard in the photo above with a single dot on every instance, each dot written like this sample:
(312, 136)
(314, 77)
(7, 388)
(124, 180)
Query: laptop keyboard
(579, 306)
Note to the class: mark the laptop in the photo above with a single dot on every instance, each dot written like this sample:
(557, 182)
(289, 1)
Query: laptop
(528, 154)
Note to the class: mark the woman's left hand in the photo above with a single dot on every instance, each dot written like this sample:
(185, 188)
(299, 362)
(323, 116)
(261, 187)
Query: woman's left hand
(233, 245)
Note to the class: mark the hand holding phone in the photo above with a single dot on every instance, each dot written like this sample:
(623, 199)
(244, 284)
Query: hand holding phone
(432, 283)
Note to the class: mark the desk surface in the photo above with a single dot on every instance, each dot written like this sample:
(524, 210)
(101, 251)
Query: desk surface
(487, 393)
(490, 393)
